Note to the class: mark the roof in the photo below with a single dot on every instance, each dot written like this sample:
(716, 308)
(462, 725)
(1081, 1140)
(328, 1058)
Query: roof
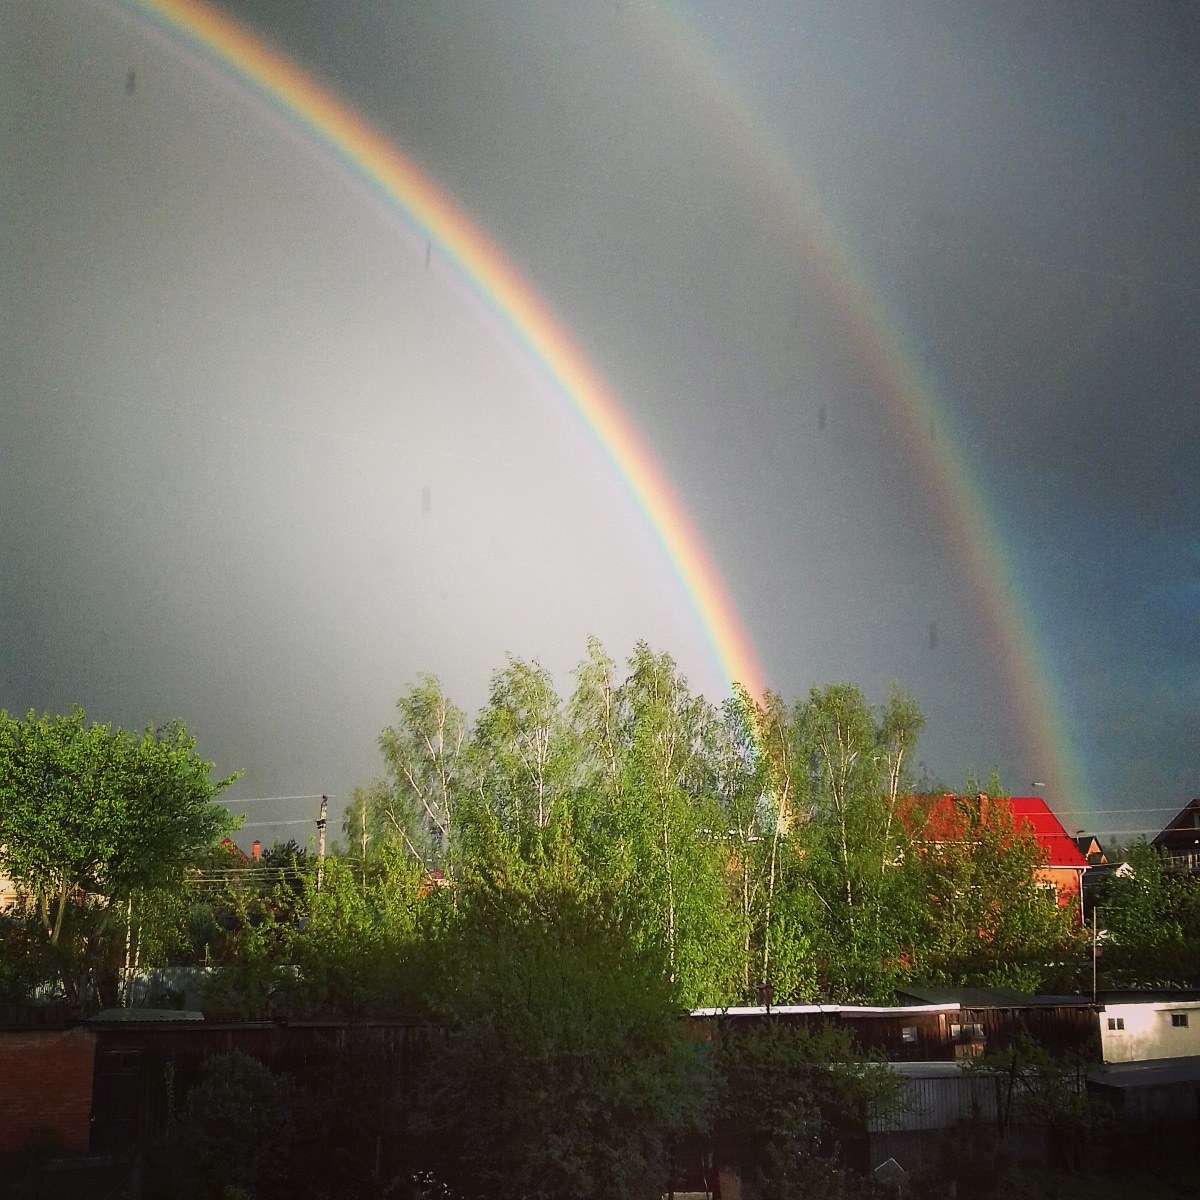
(1154, 1004)
(1061, 849)
(994, 997)
(945, 820)
(839, 1010)
(1154, 1073)
(1165, 996)
(145, 1016)
(1186, 822)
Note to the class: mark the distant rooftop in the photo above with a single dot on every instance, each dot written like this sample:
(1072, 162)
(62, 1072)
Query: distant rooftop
(994, 997)
(144, 1015)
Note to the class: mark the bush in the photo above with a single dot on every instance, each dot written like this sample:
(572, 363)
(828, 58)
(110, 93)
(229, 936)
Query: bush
(236, 1133)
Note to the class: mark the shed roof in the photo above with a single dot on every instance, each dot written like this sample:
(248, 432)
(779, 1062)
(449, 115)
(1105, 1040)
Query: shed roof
(839, 1010)
(994, 997)
(1155, 1073)
(144, 1016)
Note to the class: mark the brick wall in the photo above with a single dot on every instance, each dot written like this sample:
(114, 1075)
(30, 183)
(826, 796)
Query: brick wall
(46, 1085)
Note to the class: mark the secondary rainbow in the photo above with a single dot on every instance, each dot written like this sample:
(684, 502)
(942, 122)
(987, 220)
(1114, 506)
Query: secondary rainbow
(920, 413)
(493, 277)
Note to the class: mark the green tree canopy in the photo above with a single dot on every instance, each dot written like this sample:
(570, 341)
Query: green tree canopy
(93, 811)
(91, 815)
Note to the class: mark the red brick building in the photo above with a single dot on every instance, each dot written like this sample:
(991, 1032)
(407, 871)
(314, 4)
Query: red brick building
(46, 1083)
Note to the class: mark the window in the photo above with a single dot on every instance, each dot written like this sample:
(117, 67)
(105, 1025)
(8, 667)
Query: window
(1179, 1020)
(908, 1035)
(1116, 1022)
(966, 1033)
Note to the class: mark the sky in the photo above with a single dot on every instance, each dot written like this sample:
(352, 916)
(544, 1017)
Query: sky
(903, 300)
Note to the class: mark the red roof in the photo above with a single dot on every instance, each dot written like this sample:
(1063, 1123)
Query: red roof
(1061, 850)
(943, 822)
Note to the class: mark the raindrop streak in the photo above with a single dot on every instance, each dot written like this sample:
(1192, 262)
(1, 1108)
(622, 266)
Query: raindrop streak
(130, 83)
(426, 501)
(821, 417)
(933, 635)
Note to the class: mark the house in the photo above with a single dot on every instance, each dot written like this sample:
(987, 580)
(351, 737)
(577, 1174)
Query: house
(1150, 1077)
(1065, 863)
(930, 1024)
(1137, 1029)
(10, 894)
(1091, 849)
(1180, 840)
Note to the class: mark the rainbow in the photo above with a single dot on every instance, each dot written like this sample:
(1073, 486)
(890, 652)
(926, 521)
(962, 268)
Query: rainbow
(403, 185)
(919, 410)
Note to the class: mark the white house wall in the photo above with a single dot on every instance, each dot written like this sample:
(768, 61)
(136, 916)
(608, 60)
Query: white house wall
(1144, 1030)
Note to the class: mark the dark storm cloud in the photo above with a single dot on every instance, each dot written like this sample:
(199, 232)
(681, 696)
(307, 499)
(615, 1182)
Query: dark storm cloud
(1017, 184)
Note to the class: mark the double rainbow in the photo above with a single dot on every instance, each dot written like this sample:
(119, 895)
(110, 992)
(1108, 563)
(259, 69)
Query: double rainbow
(913, 397)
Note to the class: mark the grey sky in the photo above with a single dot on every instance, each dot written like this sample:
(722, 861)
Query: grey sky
(261, 465)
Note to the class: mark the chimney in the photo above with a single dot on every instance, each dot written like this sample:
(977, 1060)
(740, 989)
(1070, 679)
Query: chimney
(256, 850)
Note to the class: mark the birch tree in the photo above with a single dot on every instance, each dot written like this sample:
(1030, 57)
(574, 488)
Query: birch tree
(424, 753)
(855, 846)
(521, 749)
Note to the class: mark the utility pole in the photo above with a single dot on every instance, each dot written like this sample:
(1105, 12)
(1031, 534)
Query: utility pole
(321, 840)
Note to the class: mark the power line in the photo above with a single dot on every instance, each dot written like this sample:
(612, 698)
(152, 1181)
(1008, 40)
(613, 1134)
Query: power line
(260, 799)
(273, 824)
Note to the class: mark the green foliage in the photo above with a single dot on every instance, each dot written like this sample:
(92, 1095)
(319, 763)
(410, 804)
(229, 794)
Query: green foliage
(750, 846)
(354, 951)
(424, 753)
(521, 753)
(89, 810)
(237, 1131)
(987, 919)
(91, 815)
(559, 1068)
(1151, 915)
(25, 958)
(755, 844)
(787, 1096)
(851, 761)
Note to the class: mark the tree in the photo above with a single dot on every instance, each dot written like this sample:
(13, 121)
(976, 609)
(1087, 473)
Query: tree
(354, 951)
(665, 818)
(983, 915)
(1047, 1090)
(236, 1130)
(560, 1067)
(91, 815)
(1152, 914)
(521, 753)
(425, 756)
(749, 827)
(854, 846)
(787, 1097)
